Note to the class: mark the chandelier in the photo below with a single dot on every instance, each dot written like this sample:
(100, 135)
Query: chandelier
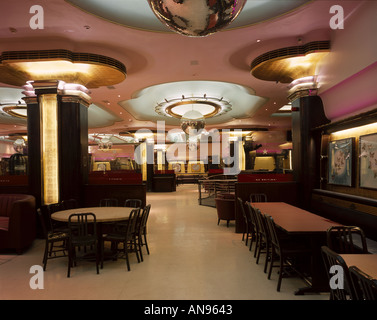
(196, 18)
(192, 123)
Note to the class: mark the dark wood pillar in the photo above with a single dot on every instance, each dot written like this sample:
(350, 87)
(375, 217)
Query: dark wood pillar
(307, 114)
(72, 143)
(34, 149)
(73, 146)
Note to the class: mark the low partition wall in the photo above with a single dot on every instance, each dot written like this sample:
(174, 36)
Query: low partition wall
(164, 182)
(347, 209)
(92, 194)
(121, 177)
(275, 191)
(14, 184)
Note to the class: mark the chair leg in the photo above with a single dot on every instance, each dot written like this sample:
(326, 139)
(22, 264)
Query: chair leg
(45, 257)
(127, 260)
(69, 262)
(267, 257)
(139, 243)
(280, 274)
(251, 241)
(271, 263)
(134, 244)
(146, 243)
(98, 257)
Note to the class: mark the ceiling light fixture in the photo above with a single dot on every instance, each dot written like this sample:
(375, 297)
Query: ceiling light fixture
(196, 18)
(208, 106)
(15, 110)
(192, 123)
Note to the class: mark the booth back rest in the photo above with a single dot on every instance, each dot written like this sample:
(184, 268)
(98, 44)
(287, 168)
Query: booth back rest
(7, 201)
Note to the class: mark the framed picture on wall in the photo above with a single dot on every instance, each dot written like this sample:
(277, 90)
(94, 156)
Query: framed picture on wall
(341, 162)
(368, 161)
(178, 167)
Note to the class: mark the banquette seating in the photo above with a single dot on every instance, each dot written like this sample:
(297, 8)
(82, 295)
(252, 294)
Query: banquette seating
(17, 221)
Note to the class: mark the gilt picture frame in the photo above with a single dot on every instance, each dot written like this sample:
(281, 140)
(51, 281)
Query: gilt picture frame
(341, 166)
(368, 161)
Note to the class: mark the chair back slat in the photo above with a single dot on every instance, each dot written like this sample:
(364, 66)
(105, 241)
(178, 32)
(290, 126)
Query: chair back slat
(338, 292)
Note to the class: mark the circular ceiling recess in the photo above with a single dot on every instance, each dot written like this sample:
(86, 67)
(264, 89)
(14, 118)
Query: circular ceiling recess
(287, 64)
(90, 70)
(217, 101)
(138, 14)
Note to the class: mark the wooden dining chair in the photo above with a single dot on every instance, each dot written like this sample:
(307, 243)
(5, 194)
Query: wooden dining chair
(133, 203)
(141, 230)
(265, 239)
(365, 286)
(108, 202)
(289, 252)
(258, 197)
(124, 234)
(56, 242)
(69, 204)
(246, 235)
(250, 217)
(346, 239)
(256, 228)
(344, 291)
(83, 233)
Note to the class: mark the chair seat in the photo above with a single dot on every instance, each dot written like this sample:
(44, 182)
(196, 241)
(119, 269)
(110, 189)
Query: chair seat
(114, 237)
(58, 235)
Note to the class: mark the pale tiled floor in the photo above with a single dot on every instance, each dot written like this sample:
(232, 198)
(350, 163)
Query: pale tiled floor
(191, 258)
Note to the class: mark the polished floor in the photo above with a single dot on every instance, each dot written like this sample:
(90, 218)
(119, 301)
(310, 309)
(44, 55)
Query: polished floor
(191, 258)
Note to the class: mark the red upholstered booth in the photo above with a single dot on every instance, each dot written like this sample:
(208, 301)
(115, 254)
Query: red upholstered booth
(17, 221)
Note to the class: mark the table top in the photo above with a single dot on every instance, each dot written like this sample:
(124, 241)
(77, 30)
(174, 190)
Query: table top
(365, 262)
(103, 214)
(294, 219)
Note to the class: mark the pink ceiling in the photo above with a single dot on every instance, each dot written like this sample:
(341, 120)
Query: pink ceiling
(152, 58)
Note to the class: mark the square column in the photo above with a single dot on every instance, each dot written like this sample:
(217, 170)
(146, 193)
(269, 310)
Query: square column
(58, 142)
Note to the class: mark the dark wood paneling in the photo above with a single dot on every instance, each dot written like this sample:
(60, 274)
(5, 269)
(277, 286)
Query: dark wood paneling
(164, 183)
(34, 150)
(275, 191)
(307, 114)
(347, 209)
(73, 149)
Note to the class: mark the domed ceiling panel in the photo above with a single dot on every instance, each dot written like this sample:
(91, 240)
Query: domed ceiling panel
(138, 14)
(243, 101)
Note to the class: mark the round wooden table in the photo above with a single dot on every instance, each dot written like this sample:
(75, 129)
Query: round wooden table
(103, 214)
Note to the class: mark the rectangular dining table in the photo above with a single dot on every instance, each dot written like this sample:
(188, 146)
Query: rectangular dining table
(306, 226)
(365, 262)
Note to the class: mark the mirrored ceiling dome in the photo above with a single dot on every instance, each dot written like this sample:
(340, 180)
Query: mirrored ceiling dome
(138, 14)
(196, 18)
